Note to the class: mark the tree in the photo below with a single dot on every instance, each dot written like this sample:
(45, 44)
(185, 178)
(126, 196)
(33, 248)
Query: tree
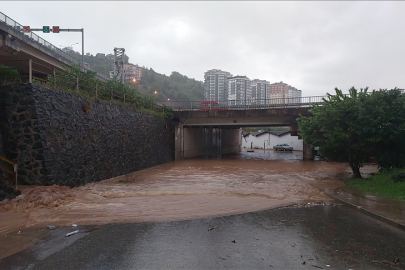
(386, 113)
(337, 127)
(355, 126)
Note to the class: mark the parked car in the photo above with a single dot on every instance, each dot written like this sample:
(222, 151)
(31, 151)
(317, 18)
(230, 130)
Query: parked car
(282, 147)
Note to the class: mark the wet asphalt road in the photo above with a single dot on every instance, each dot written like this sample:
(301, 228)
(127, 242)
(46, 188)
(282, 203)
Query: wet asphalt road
(310, 237)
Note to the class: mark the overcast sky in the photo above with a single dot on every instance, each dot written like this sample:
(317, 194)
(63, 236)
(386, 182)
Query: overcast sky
(313, 46)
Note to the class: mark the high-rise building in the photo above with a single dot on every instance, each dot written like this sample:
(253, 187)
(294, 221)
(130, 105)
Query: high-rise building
(294, 95)
(283, 93)
(260, 91)
(278, 90)
(215, 85)
(239, 90)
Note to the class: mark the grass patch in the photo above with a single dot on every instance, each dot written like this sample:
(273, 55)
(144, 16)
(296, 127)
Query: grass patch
(382, 184)
(123, 181)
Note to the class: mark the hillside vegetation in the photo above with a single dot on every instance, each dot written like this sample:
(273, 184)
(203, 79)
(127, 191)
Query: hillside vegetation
(176, 87)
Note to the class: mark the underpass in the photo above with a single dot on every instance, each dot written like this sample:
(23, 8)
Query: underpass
(219, 131)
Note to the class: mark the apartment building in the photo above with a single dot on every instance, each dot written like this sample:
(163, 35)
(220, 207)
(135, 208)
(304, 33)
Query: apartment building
(294, 95)
(132, 72)
(239, 90)
(279, 90)
(283, 93)
(215, 86)
(260, 91)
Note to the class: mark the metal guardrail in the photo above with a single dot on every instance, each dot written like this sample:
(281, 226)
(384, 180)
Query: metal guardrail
(63, 80)
(12, 172)
(296, 102)
(42, 42)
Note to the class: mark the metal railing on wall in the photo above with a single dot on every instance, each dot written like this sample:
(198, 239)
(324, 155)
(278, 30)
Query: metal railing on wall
(47, 76)
(8, 170)
(294, 102)
(16, 28)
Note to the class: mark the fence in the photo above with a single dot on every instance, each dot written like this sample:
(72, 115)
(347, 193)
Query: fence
(8, 170)
(17, 28)
(244, 104)
(48, 76)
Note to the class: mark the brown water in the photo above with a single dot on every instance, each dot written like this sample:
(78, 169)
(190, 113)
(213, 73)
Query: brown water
(177, 190)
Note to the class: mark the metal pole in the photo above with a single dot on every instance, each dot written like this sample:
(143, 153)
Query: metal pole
(30, 71)
(123, 70)
(83, 47)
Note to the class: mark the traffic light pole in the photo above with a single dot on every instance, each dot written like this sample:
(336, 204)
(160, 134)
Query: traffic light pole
(83, 47)
(66, 30)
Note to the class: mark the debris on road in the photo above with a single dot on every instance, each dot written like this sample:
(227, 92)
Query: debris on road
(303, 262)
(222, 258)
(392, 264)
(72, 233)
(50, 227)
(317, 266)
(74, 225)
(233, 241)
(93, 229)
(213, 228)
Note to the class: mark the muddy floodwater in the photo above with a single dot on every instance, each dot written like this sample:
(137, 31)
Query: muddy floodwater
(186, 189)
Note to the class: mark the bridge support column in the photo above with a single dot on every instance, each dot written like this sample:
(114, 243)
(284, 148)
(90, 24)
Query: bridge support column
(308, 152)
(178, 137)
(294, 128)
(30, 71)
(231, 140)
(190, 142)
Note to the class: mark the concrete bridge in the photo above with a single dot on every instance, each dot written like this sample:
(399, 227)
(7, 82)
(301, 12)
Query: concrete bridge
(217, 130)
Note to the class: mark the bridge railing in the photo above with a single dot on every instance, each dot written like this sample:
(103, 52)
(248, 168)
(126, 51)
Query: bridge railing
(247, 104)
(18, 28)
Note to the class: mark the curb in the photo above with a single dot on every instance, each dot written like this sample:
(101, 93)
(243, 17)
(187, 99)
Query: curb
(369, 213)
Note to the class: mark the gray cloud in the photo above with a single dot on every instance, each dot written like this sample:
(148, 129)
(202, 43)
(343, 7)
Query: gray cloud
(314, 46)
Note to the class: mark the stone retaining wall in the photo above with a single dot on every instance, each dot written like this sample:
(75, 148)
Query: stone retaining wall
(62, 138)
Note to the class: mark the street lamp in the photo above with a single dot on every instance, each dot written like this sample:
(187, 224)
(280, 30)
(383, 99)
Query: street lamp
(134, 80)
(155, 92)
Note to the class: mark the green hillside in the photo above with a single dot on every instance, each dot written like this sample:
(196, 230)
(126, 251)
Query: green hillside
(176, 87)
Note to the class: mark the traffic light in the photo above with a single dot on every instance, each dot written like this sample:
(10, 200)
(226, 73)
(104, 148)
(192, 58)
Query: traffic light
(55, 29)
(27, 29)
(17, 27)
(45, 29)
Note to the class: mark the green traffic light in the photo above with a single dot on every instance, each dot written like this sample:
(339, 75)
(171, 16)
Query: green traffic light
(45, 29)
